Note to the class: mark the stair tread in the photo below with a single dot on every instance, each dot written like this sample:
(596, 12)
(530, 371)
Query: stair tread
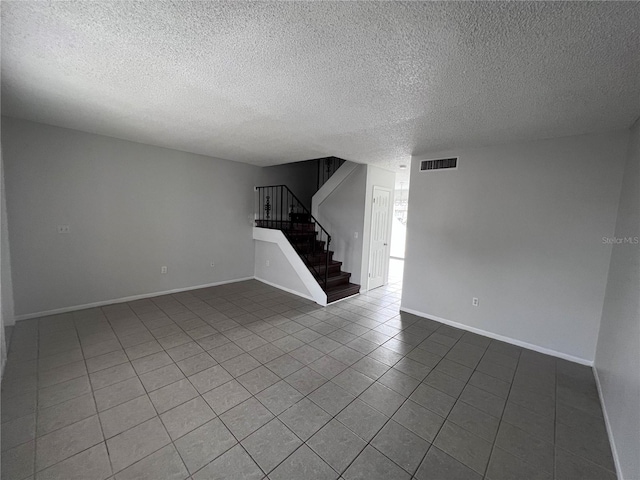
(340, 274)
(344, 286)
(341, 291)
(286, 225)
(321, 263)
(300, 233)
(334, 277)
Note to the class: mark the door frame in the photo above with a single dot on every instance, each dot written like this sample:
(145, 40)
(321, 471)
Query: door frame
(385, 275)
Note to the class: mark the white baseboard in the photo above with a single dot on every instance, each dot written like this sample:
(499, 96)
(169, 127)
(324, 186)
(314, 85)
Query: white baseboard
(612, 442)
(288, 290)
(75, 308)
(350, 297)
(502, 338)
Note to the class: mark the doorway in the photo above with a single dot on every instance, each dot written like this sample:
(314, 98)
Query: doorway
(379, 245)
(399, 222)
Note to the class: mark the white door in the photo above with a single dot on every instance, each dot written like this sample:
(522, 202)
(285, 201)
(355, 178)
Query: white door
(379, 249)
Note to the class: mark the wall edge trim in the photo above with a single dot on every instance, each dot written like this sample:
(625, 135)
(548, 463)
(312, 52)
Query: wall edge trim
(612, 443)
(74, 308)
(288, 290)
(503, 338)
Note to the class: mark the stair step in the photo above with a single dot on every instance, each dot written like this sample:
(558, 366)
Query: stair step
(334, 271)
(340, 278)
(300, 236)
(333, 279)
(320, 258)
(300, 217)
(342, 291)
(299, 227)
(334, 267)
(286, 225)
(306, 246)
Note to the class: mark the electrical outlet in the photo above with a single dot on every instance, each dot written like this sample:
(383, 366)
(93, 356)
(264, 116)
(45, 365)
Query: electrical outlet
(213, 264)
(268, 263)
(355, 234)
(475, 302)
(163, 269)
(63, 229)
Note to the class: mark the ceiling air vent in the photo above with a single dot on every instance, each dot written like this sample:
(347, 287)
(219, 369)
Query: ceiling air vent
(439, 164)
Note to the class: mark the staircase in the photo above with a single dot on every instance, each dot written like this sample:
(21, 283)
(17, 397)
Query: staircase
(278, 208)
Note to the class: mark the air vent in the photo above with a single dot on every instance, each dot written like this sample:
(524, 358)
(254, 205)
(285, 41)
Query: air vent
(439, 164)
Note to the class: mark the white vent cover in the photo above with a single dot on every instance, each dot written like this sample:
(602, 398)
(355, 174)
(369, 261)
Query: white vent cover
(439, 164)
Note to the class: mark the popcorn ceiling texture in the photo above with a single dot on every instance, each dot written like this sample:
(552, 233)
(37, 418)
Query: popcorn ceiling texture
(275, 82)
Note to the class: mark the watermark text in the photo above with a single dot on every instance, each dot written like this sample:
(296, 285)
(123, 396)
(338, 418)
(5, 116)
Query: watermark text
(620, 240)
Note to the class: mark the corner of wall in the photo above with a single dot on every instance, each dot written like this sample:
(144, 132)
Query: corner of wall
(6, 290)
(617, 352)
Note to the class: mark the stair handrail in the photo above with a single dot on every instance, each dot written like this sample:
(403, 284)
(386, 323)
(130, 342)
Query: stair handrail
(316, 222)
(306, 210)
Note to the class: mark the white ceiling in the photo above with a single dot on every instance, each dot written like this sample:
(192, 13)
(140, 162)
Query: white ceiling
(268, 83)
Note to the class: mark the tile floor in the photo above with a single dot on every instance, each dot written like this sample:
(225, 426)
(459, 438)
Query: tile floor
(244, 381)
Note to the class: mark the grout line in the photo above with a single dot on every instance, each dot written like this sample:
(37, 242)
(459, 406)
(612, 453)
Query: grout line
(352, 312)
(506, 400)
(35, 440)
(555, 418)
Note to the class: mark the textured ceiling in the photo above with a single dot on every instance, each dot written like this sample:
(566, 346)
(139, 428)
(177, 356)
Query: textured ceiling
(276, 82)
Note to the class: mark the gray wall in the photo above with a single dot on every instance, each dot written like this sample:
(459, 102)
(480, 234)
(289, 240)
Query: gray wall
(131, 208)
(300, 177)
(342, 214)
(520, 227)
(618, 353)
(6, 290)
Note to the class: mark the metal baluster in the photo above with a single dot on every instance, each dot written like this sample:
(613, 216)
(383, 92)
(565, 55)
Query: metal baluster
(272, 199)
(282, 225)
(260, 205)
(326, 270)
